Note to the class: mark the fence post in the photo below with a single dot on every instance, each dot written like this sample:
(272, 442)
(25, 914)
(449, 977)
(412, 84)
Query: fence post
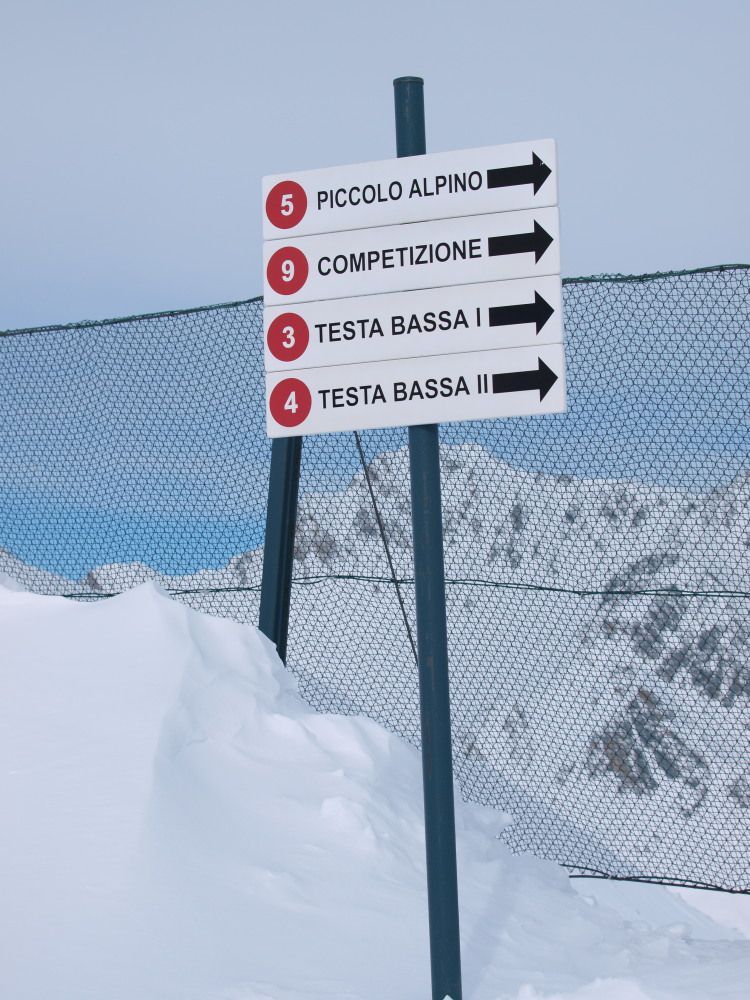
(432, 642)
(278, 547)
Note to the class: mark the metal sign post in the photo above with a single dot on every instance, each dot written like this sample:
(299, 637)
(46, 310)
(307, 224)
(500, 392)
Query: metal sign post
(432, 642)
(409, 292)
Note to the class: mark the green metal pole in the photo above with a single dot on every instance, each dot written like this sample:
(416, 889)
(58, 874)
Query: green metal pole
(432, 643)
(278, 547)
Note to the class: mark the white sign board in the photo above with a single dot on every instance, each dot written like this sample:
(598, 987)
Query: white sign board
(421, 255)
(479, 385)
(412, 189)
(460, 318)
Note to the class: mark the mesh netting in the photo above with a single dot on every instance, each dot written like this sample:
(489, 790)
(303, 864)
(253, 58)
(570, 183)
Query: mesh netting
(598, 561)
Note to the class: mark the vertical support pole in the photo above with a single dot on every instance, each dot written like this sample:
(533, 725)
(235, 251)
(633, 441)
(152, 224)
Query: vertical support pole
(432, 642)
(278, 548)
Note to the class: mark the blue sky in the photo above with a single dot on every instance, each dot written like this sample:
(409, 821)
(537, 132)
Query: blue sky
(134, 140)
(135, 134)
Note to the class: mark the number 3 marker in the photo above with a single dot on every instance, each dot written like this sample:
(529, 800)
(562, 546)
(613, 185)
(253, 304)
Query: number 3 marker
(290, 402)
(288, 337)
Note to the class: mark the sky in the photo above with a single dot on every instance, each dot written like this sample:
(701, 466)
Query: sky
(135, 135)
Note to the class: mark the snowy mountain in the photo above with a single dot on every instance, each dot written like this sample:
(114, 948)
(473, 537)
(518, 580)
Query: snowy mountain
(13, 569)
(600, 654)
(614, 723)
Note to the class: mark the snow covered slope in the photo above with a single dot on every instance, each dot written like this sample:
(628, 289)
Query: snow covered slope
(616, 728)
(13, 572)
(179, 824)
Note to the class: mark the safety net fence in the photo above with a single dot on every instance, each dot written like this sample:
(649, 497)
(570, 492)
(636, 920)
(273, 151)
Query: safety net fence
(598, 561)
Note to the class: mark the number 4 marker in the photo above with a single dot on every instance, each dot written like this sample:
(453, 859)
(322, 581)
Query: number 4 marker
(290, 402)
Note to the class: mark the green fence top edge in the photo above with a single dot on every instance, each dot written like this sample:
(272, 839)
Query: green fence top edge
(655, 276)
(88, 323)
(590, 279)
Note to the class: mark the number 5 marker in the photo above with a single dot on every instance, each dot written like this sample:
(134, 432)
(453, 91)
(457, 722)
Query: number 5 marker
(286, 204)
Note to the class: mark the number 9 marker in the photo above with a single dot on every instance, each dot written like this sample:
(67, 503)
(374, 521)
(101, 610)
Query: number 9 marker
(287, 270)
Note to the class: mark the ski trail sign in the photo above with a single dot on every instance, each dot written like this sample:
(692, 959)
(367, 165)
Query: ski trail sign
(411, 189)
(453, 320)
(424, 390)
(418, 290)
(419, 255)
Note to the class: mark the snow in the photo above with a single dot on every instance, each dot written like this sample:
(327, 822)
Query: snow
(180, 825)
(9, 583)
(649, 774)
(726, 909)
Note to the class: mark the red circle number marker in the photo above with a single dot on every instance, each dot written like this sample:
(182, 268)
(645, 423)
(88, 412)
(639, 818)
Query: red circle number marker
(286, 204)
(287, 270)
(288, 337)
(290, 402)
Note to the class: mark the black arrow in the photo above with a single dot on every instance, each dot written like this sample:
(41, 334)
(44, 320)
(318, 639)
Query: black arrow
(536, 243)
(538, 312)
(535, 173)
(542, 379)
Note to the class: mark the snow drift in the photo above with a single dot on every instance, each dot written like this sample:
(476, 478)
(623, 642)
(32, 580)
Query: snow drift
(178, 823)
(647, 774)
(619, 740)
